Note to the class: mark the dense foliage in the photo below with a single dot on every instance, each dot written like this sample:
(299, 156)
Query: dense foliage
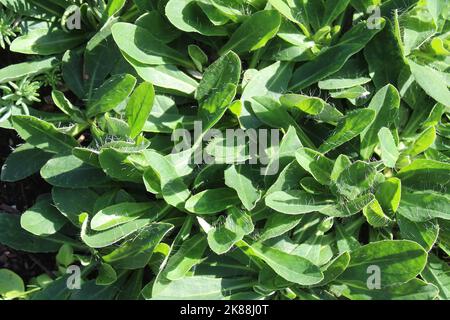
(352, 203)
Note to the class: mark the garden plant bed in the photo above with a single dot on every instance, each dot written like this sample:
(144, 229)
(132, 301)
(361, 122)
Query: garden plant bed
(225, 149)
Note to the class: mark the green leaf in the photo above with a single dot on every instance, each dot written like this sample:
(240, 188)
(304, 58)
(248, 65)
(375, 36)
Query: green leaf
(243, 179)
(11, 284)
(353, 124)
(270, 81)
(214, 107)
(431, 81)
(68, 171)
(121, 213)
(187, 16)
(254, 32)
(225, 70)
(108, 237)
(112, 93)
(139, 107)
(135, 253)
(385, 103)
(43, 135)
(320, 68)
(309, 105)
(142, 46)
(388, 194)
(106, 275)
(173, 188)
(13, 236)
(355, 179)
(290, 267)
(201, 288)
(424, 206)
(23, 162)
(424, 233)
(297, 202)
(389, 149)
(18, 71)
(212, 201)
(414, 289)
(319, 166)
(398, 261)
(42, 219)
(47, 42)
(437, 272)
(189, 255)
(424, 174)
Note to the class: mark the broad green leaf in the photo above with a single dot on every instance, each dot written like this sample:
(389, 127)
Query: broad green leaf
(431, 81)
(424, 206)
(422, 142)
(414, 289)
(212, 201)
(139, 107)
(18, 71)
(166, 76)
(254, 32)
(269, 81)
(437, 272)
(136, 252)
(385, 103)
(290, 267)
(47, 42)
(424, 233)
(398, 261)
(297, 202)
(23, 162)
(158, 25)
(13, 236)
(68, 171)
(124, 212)
(187, 16)
(279, 224)
(319, 166)
(214, 107)
(189, 255)
(141, 45)
(309, 105)
(42, 219)
(11, 284)
(201, 288)
(243, 179)
(225, 70)
(43, 135)
(388, 194)
(320, 68)
(424, 174)
(353, 124)
(375, 216)
(334, 268)
(113, 92)
(106, 275)
(95, 70)
(346, 208)
(388, 146)
(108, 237)
(173, 188)
(355, 179)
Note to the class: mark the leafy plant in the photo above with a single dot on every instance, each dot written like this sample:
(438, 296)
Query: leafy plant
(347, 196)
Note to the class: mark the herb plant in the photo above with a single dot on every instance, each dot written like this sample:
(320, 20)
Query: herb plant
(346, 197)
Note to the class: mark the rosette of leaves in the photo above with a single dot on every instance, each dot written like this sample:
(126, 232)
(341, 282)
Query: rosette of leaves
(359, 179)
